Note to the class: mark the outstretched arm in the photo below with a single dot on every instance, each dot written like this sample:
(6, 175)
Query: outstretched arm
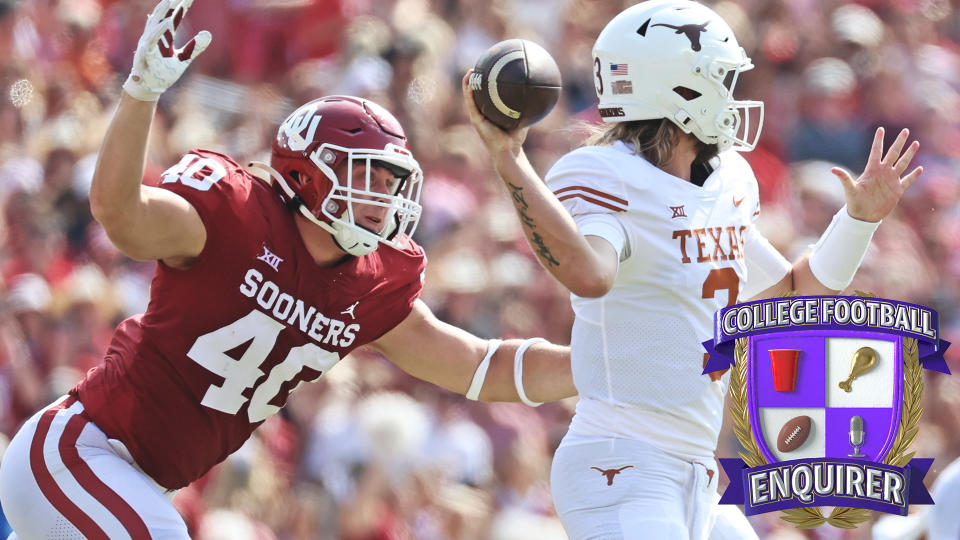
(585, 265)
(142, 221)
(447, 356)
(830, 265)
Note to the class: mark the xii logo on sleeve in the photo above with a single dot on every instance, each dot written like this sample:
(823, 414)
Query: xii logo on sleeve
(826, 399)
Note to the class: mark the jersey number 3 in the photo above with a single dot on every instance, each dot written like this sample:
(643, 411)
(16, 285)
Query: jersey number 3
(717, 280)
(261, 331)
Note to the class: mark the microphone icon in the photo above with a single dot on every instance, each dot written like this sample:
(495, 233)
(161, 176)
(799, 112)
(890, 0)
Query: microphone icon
(856, 436)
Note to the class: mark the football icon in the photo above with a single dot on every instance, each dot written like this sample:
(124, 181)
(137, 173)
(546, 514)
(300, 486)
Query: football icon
(794, 433)
(515, 83)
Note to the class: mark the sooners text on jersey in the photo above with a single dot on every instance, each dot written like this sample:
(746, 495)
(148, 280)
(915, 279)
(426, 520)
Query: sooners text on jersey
(224, 342)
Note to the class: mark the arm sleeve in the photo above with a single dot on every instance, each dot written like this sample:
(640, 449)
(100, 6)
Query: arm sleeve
(765, 265)
(608, 227)
(405, 280)
(220, 191)
(585, 183)
(593, 194)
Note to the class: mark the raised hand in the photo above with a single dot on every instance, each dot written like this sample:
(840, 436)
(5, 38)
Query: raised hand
(878, 190)
(156, 64)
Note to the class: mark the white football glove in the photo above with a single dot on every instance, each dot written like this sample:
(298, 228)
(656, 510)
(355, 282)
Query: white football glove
(156, 64)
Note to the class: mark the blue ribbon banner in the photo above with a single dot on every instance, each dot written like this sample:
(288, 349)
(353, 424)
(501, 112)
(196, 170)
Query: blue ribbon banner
(852, 313)
(848, 483)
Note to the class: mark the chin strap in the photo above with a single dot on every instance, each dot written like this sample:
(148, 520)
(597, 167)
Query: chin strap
(293, 201)
(345, 237)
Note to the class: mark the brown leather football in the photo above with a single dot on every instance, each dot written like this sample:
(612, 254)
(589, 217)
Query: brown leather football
(794, 433)
(515, 83)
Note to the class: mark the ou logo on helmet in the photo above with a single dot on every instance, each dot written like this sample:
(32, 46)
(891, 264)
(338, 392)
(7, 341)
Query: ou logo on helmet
(294, 127)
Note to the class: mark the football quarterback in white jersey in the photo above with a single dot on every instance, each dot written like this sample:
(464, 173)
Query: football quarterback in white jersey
(651, 228)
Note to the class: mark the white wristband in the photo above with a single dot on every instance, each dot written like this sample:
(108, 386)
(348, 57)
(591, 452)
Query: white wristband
(518, 371)
(481, 373)
(840, 250)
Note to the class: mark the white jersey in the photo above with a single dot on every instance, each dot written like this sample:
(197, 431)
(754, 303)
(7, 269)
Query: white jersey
(636, 352)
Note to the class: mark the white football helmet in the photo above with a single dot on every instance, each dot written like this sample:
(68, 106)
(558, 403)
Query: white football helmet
(675, 59)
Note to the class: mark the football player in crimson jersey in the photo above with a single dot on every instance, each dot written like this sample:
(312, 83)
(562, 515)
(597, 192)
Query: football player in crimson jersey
(651, 228)
(261, 285)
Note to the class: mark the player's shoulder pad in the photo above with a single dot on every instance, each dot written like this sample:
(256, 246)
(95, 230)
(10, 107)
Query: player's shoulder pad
(408, 253)
(228, 162)
(213, 183)
(737, 167)
(590, 174)
(741, 176)
(206, 170)
(408, 246)
(585, 163)
(406, 262)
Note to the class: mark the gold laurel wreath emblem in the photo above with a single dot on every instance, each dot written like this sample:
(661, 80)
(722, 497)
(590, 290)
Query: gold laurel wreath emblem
(899, 455)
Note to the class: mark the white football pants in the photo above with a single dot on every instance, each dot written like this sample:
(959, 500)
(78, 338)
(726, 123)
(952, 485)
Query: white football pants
(619, 489)
(62, 478)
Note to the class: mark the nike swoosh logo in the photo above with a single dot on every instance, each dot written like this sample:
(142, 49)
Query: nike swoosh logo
(737, 202)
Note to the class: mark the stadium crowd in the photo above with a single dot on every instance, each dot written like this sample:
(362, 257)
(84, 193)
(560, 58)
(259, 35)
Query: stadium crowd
(367, 452)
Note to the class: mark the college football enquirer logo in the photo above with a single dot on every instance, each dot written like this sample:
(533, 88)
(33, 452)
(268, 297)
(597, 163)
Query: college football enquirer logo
(825, 397)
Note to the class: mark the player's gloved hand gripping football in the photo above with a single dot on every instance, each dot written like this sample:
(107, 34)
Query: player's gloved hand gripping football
(156, 64)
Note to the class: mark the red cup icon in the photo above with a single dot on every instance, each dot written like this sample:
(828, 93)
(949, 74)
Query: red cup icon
(784, 362)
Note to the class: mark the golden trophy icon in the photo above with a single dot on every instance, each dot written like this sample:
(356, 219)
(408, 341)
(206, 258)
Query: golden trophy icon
(863, 361)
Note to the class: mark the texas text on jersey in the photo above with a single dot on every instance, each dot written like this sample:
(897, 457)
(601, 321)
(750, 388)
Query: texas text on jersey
(190, 369)
(685, 253)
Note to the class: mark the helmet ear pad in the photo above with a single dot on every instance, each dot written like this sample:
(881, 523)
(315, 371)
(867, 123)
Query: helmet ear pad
(312, 186)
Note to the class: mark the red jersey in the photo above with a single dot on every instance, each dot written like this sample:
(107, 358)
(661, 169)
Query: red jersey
(224, 342)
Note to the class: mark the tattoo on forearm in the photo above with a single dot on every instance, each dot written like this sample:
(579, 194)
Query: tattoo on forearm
(541, 249)
(517, 193)
(527, 221)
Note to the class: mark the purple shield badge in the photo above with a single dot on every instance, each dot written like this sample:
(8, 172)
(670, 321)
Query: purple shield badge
(825, 398)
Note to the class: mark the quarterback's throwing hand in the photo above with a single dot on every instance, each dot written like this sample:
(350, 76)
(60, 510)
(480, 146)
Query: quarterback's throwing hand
(156, 64)
(878, 190)
(495, 139)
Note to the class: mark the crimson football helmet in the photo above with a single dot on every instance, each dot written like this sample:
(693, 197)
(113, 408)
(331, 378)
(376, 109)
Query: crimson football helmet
(320, 136)
(675, 59)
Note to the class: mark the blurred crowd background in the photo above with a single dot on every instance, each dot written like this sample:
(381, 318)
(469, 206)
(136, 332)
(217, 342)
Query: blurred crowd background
(368, 453)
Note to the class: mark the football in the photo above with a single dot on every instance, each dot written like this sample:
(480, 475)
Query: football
(515, 83)
(794, 433)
